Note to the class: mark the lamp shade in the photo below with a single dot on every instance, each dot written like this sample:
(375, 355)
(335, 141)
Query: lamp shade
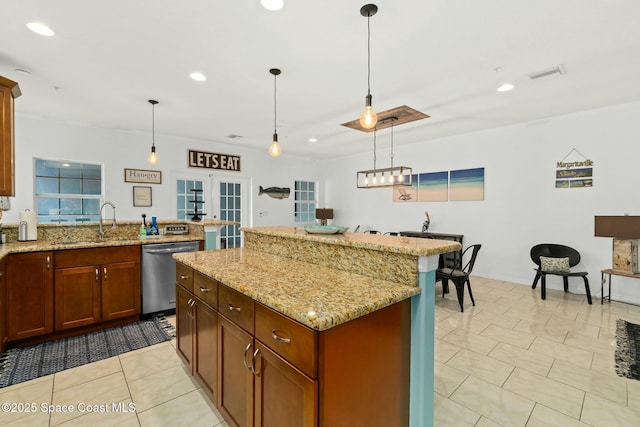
(619, 227)
(324, 214)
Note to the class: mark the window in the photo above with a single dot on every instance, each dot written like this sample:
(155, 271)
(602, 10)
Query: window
(230, 210)
(305, 201)
(68, 191)
(184, 195)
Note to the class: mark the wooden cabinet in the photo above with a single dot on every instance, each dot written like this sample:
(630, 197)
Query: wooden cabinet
(197, 326)
(3, 304)
(259, 386)
(184, 326)
(94, 285)
(273, 371)
(283, 396)
(235, 378)
(120, 290)
(9, 90)
(30, 295)
(77, 297)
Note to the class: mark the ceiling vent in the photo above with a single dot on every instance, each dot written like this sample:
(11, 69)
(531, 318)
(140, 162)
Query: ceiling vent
(559, 70)
(234, 136)
(401, 115)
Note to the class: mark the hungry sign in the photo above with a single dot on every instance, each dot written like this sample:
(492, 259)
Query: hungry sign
(203, 159)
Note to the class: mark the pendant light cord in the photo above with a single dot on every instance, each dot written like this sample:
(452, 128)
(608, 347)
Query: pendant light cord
(368, 54)
(391, 146)
(153, 124)
(375, 132)
(275, 104)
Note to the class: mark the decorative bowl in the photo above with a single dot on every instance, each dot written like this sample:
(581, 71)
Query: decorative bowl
(325, 229)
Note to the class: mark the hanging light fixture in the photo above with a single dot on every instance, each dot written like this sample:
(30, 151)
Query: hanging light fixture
(384, 177)
(368, 119)
(153, 157)
(275, 149)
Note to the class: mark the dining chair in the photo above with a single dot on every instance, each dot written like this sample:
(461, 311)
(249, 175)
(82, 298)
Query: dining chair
(459, 275)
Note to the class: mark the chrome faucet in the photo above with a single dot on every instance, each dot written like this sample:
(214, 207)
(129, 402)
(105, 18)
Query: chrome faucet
(113, 225)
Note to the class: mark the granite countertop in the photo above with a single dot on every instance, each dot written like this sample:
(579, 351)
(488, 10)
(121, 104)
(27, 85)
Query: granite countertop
(385, 243)
(316, 296)
(38, 246)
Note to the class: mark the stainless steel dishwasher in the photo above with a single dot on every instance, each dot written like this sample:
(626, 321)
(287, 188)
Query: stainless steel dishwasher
(159, 275)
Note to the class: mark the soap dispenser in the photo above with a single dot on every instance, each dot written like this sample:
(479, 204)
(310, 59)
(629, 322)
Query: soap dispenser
(143, 226)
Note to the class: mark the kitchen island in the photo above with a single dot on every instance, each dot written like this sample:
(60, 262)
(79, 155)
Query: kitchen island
(364, 302)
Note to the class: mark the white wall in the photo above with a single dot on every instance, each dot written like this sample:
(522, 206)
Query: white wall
(118, 150)
(521, 206)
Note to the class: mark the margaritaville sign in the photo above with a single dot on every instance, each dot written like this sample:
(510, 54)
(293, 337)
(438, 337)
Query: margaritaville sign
(203, 159)
(578, 174)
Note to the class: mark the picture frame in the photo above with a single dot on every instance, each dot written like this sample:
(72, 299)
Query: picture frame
(142, 196)
(142, 176)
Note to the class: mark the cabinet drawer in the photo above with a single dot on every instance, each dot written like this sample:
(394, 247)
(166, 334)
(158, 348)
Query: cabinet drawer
(205, 288)
(236, 307)
(94, 256)
(293, 341)
(184, 276)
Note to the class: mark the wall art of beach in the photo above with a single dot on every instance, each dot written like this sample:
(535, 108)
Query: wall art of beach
(466, 184)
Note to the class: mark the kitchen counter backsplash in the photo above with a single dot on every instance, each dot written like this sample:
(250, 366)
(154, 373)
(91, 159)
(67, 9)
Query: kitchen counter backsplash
(125, 230)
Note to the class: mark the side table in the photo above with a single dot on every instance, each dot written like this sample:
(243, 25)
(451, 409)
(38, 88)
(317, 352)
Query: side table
(612, 272)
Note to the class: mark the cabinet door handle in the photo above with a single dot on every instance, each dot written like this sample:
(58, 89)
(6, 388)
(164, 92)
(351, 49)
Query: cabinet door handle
(104, 270)
(244, 359)
(184, 277)
(234, 308)
(190, 303)
(253, 362)
(97, 274)
(48, 263)
(275, 336)
(204, 290)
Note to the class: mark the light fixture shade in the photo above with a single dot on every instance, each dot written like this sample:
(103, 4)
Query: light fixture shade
(385, 177)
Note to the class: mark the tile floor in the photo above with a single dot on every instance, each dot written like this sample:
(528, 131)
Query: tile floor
(513, 360)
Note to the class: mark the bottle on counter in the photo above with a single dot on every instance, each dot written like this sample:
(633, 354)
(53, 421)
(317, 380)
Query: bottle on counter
(154, 226)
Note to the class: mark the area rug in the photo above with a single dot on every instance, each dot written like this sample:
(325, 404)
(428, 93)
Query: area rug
(627, 349)
(23, 364)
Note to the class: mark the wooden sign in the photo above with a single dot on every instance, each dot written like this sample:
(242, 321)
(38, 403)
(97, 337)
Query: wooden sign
(203, 159)
(143, 176)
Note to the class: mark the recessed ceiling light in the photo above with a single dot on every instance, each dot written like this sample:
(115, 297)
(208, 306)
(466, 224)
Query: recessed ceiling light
(197, 76)
(40, 28)
(313, 139)
(272, 4)
(505, 87)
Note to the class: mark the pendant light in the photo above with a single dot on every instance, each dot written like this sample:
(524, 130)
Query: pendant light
(272, 4)
(275, 149)
(368, 119)
(153, 157)
(384, 177)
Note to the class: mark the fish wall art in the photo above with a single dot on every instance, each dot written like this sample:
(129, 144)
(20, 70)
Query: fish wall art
(275, 192)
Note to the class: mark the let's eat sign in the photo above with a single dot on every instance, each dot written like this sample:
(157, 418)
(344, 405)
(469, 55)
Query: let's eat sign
(203, 159)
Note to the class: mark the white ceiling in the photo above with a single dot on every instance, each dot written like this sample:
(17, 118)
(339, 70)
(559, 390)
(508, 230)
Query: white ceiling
(437, 56)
